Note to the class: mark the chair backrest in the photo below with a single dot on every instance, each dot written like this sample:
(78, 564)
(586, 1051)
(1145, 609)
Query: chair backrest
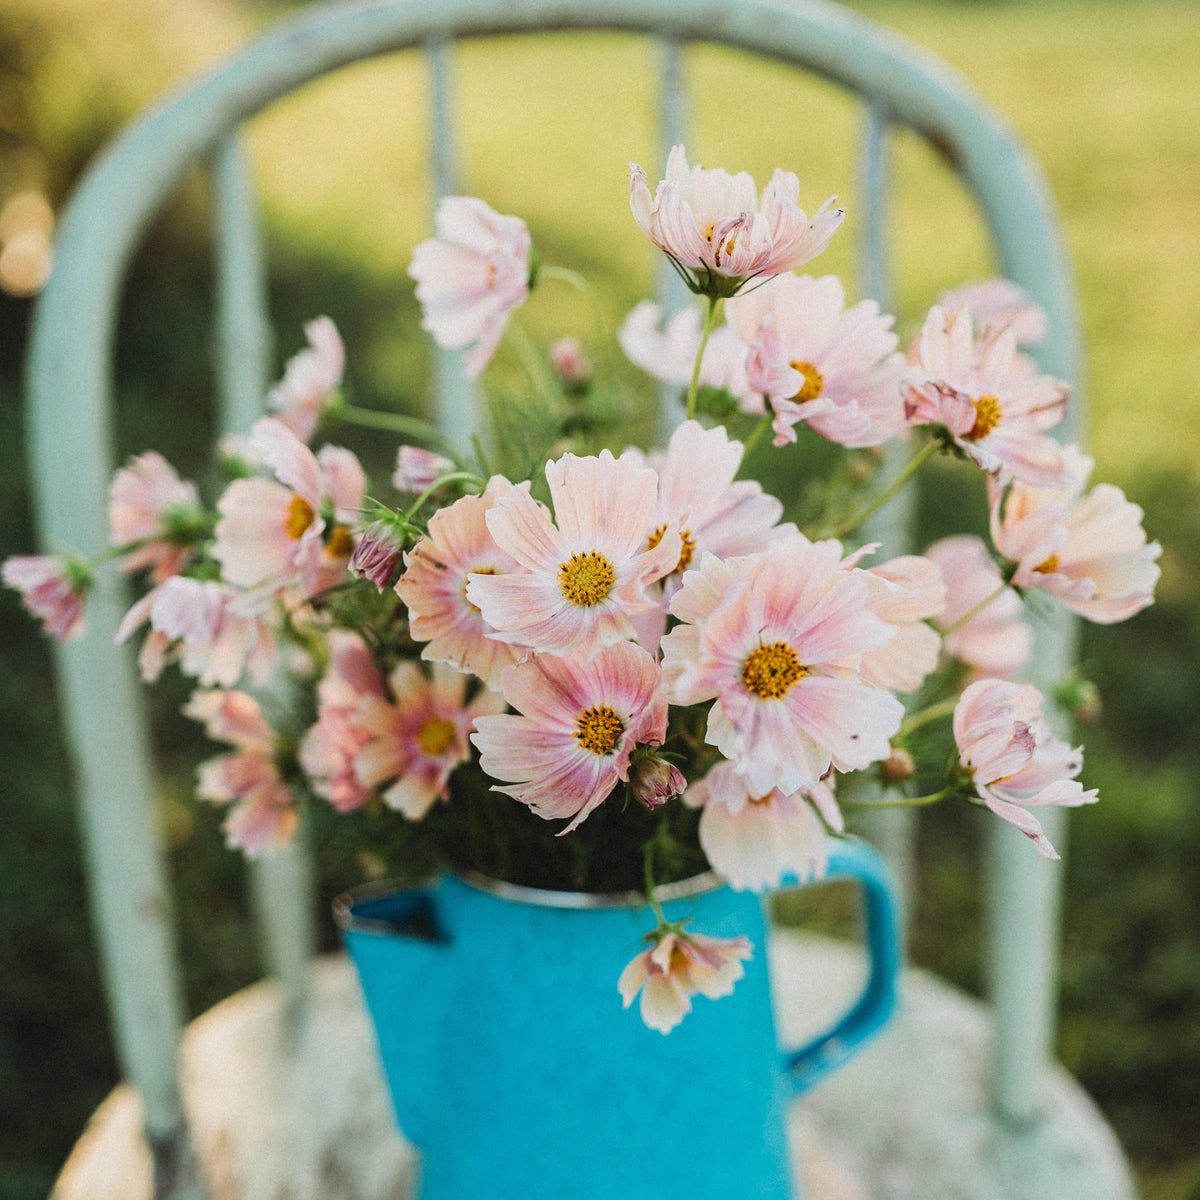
(70, 386)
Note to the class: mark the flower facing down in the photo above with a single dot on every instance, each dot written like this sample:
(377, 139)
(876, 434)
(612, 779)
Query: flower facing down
(471, 276)
(677, 966)
(1013, 759)
(754, 841)
(149, 504)
(262, 811)
(579, 723)
(718, 232)
(1088, 551)
(54, 589)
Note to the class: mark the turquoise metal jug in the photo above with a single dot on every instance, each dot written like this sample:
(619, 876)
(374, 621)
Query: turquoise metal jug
(519, 1076)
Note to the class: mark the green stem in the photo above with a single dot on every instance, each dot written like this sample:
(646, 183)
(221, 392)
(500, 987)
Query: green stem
(648, 872)
(584, 287)
(935, 712)
(393, 422)
(913, 465)
(973, 611)
(694, 386)
(437, 485)
(904, 801)
(755, 436)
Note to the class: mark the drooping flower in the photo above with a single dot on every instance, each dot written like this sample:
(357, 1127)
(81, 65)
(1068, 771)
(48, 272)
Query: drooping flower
(996, 640)
(578, 724)
(583, 579)
(263, 811)
(755, 841)
(418, 469)
(434, 585)
(294, 533)
(715, 228)
(667, 352)
(1013, 759)
(54, 588)
(817, 361)
(654, 781)
(309, 380)
(471, 276)
(982, 394)
(212, 630)
(678, 965)
(777, 639)
(149, 504)
(1088, 551)
(378, 555)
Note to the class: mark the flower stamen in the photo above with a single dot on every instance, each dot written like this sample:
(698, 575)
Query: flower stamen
(436, 736)
(300, 516)
(988, 414)
(814, 382)
(770, 671)
(598, 729)
(586, 578)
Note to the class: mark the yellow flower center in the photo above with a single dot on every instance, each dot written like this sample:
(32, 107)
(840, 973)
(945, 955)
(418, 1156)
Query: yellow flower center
(686, 553)
(1049, 566)
(598, 729)
(770, 671)
(436, 736)
(299, 517)
(586, 578)
(988, 415)
(340, 542)
(814, 381)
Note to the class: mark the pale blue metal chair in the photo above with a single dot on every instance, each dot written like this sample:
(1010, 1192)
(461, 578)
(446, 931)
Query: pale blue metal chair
(70, 385)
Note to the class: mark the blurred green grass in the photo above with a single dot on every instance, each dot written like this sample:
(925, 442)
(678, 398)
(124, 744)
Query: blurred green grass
(1104, 92)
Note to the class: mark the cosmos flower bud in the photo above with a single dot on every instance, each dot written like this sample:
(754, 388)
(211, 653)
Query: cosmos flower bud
(655, 781)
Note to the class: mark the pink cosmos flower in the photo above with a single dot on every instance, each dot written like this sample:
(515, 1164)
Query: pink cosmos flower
(981, 393)
(1089, 551)
(905, 592)
(145, 500)
(263, 812)
(213, 631)
(754, 841)
(434, 585)
(1000, 304)
(677, 966)
(699, 495)
(777, 638)
(418, 469)
(582, 580)
(1014, 761)
(417, 734)
(715, 228)
(294, 533)
(817, 361)
(997, 640)
(668, 352)
(570, 363)
(329, 750)
(471, 276)
(309, 379)
(579, 723)
(54, 589)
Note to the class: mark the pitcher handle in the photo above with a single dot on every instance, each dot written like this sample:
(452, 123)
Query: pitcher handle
(856, 860)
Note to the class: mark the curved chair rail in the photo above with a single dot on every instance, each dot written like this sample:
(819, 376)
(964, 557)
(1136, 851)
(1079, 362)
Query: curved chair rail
(70, 385)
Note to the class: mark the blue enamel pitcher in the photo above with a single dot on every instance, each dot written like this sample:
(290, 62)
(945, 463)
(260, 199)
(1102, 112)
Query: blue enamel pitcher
(517, 1073)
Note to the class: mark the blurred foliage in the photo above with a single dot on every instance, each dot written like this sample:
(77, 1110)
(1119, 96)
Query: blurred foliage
(1104, 93)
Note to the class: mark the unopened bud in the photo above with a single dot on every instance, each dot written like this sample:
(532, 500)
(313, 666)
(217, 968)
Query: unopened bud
(570, 363)
(1081, 698)
(655, 781)
(898, 766)
(377, 555)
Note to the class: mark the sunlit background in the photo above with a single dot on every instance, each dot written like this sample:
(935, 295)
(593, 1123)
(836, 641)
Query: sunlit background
(1107, 96)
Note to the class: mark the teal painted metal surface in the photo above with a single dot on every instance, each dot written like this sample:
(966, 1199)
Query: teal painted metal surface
(70, 390)
(501, 1029)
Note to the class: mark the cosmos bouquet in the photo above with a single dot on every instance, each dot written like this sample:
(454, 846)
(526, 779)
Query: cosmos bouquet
(576, 669)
